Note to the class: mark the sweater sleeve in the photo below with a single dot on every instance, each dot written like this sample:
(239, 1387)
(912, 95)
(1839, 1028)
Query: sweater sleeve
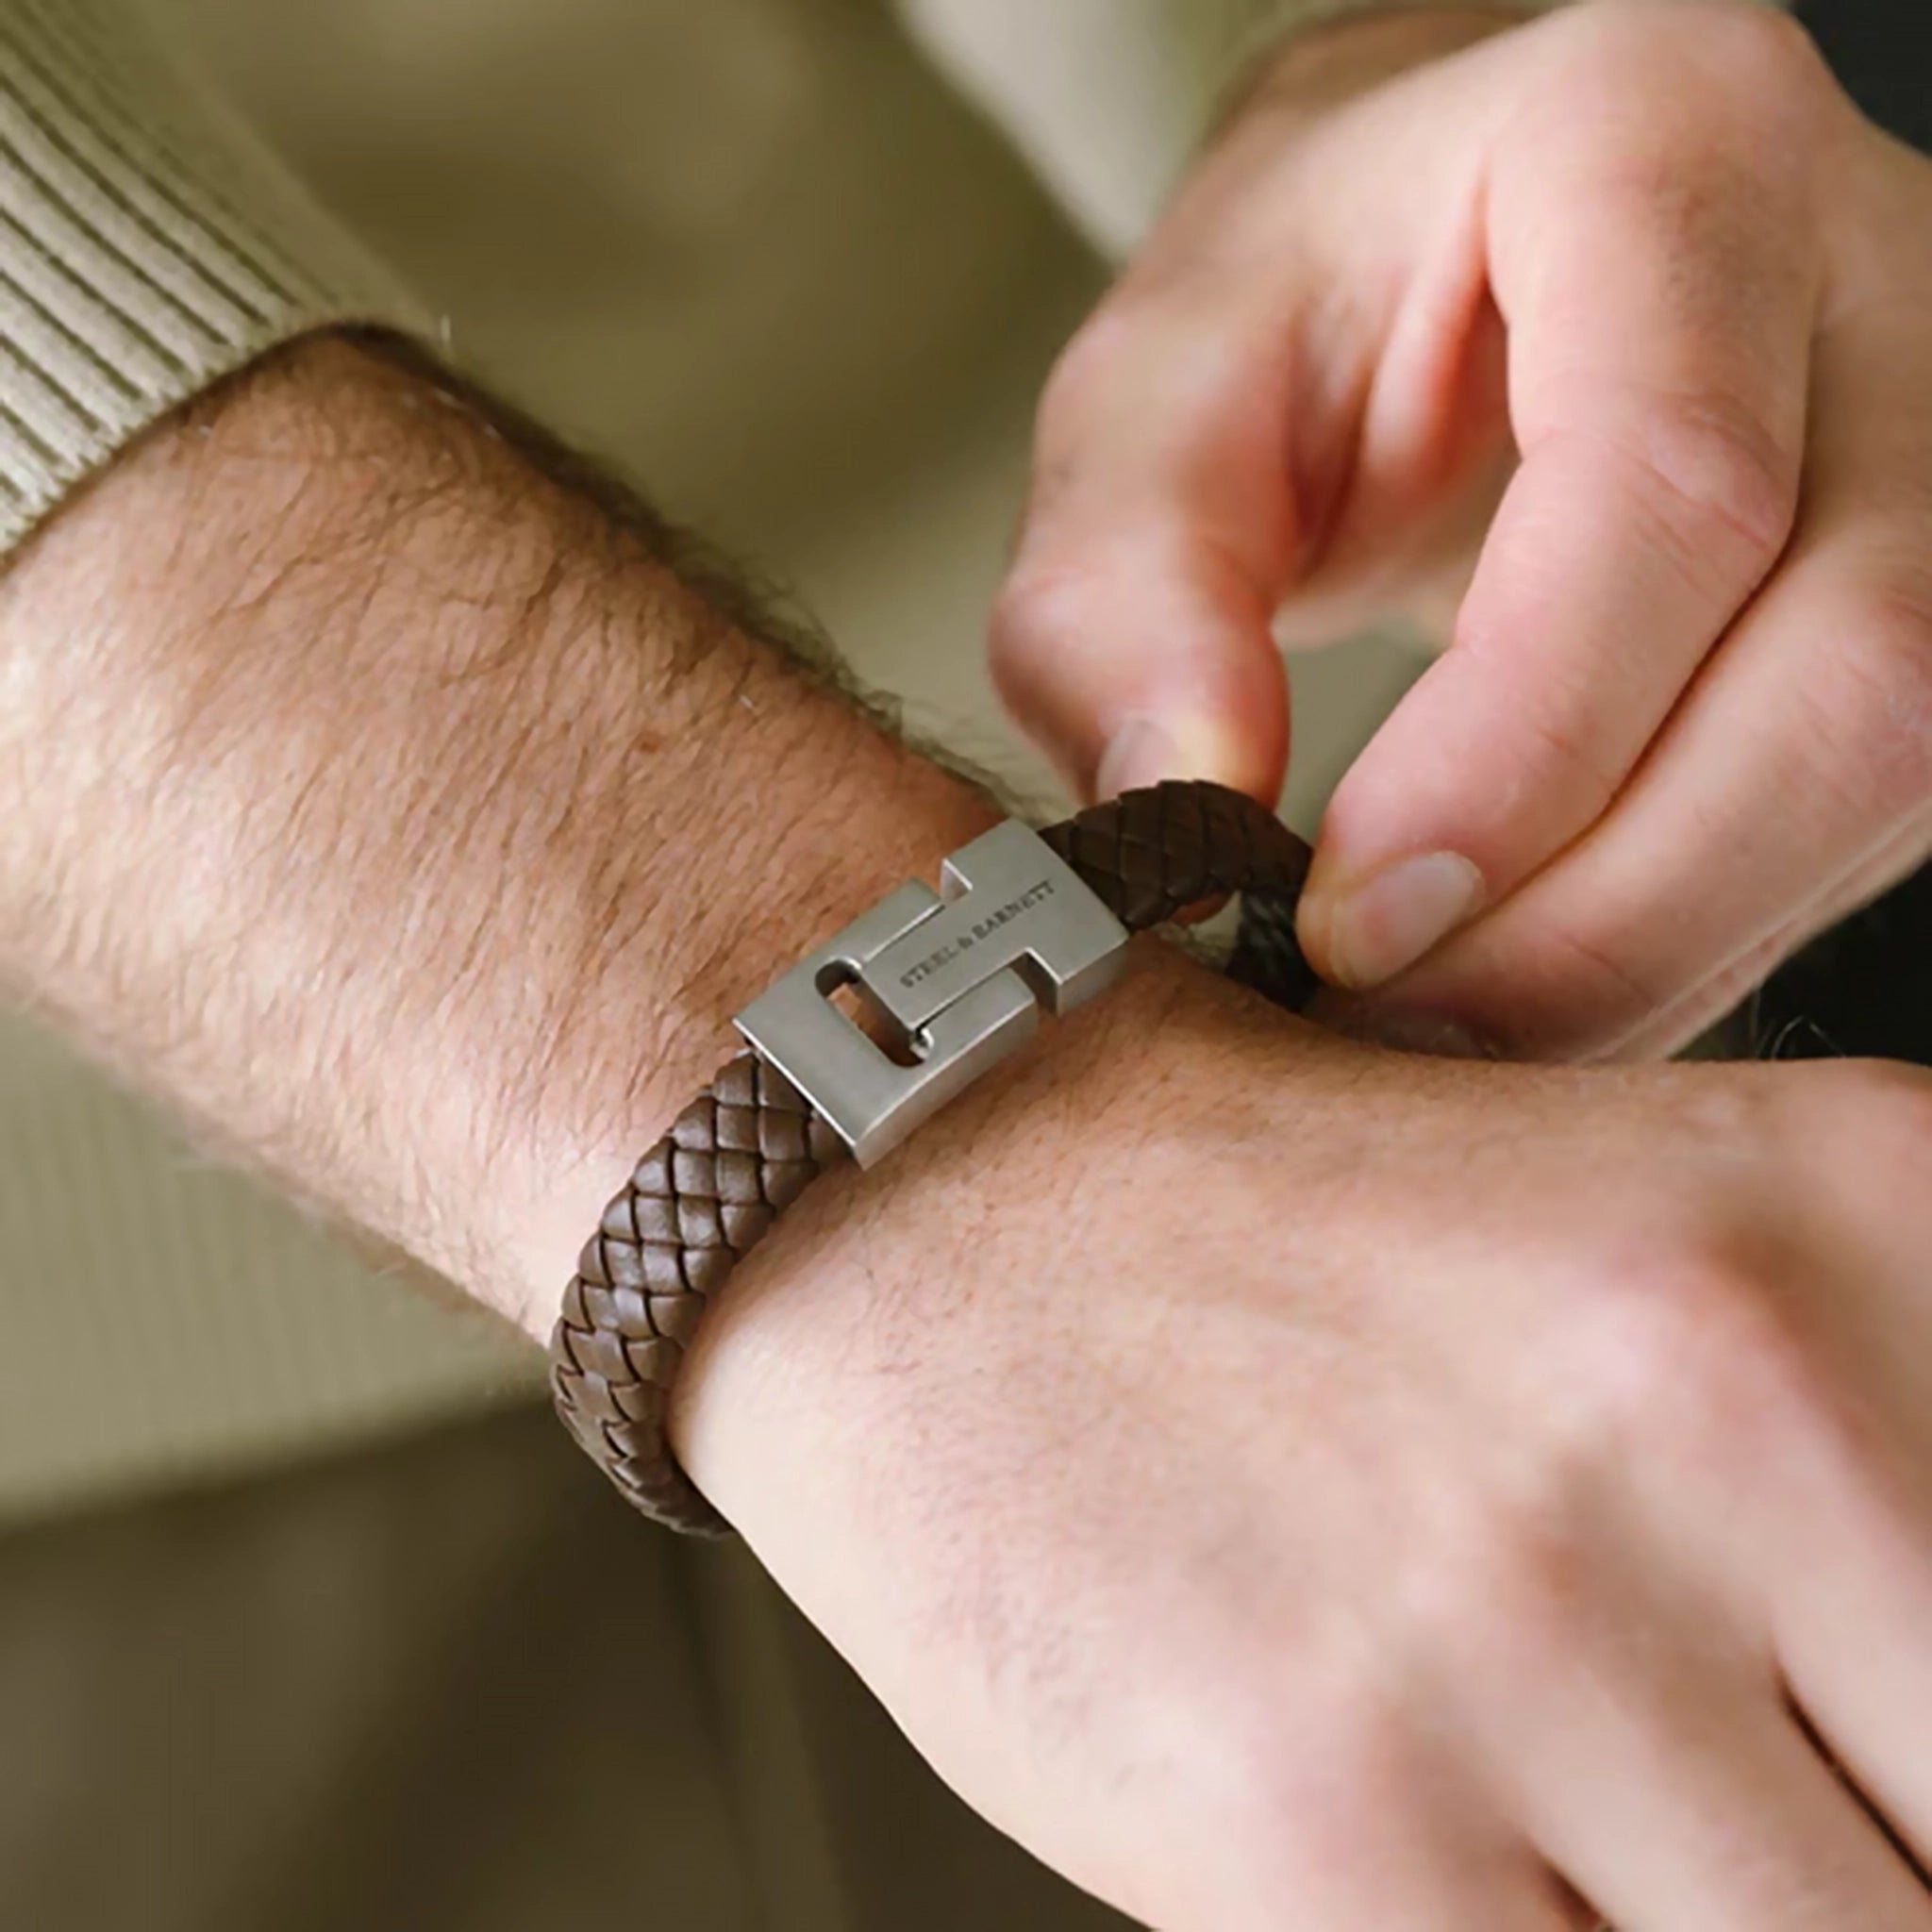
(1108, 98)
(148, 246)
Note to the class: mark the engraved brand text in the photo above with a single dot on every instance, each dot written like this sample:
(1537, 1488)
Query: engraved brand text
(981, 930)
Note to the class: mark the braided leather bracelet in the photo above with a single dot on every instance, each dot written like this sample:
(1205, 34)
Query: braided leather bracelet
(1026, 919)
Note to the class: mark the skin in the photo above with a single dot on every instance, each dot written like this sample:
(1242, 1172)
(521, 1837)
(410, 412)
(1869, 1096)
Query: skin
(1595, 346)
(1278, 1480)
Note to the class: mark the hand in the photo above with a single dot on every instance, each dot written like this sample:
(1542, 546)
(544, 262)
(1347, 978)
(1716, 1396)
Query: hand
(1257, 1470)
(1285, 1485)
(1640, 272)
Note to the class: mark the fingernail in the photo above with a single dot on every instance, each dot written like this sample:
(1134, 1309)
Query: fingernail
(1144, 752)
(1385, 924)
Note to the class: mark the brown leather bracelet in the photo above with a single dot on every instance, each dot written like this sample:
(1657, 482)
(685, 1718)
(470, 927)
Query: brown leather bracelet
(966, 974)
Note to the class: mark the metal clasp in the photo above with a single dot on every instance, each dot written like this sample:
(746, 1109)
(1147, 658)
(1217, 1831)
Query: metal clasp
(964, 972)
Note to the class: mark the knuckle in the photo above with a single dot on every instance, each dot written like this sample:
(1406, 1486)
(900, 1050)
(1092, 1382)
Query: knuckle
(1756, 54)
(1313, 1778)
(1876, 710)
(1694, 1353)
(1085, 374)
(1336, 1734)
(1767, 54)
(1729, 486)
(1567, 762)
(1740, 111)
(1186, 350)
(1498, 1590)
(1041, 610)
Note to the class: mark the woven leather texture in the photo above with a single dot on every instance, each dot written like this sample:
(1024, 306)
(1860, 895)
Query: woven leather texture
(751, 1143)
(1152, 854)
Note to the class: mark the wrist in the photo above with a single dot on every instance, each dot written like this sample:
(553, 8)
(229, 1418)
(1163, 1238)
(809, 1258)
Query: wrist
(809, 1407)
(796, 838)
(1024, 924)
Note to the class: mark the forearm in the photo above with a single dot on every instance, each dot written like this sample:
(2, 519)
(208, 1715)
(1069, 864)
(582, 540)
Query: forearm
(403, 817)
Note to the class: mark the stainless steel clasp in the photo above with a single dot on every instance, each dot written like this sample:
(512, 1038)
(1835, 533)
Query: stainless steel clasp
(964, 971)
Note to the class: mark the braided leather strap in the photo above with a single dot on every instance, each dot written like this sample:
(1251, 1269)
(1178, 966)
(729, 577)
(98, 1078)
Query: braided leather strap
(751, 1143)
(1152, 854)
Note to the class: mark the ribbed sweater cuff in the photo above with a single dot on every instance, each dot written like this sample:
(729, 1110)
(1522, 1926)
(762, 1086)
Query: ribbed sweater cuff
(148, 246)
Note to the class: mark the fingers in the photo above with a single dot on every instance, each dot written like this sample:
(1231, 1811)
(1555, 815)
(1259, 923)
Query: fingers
(1351, 1862)
(1371, 1823)
(1851, 1621)
(1132, 640)
(1223, 409)
(1652, 1761)
(1670, 1777)
(1659, 289)
(1740, 1828)
(1799, 768)
(1419, 1897)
